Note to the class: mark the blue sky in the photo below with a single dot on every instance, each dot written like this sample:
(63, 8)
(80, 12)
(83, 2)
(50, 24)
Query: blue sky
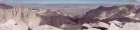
(75, 1)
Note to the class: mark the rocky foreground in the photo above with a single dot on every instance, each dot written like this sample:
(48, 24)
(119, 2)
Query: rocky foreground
(125, 17)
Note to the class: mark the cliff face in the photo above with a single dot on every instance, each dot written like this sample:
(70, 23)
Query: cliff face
(20, 16)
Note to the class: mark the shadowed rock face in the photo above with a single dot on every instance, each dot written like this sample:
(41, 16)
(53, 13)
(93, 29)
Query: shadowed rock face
(4, 6)
(54, 18)
(103, 13)
(122, 14)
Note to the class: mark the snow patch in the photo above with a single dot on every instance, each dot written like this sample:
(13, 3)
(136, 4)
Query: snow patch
(131, 15)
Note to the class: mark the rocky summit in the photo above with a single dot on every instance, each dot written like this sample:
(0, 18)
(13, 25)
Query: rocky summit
(125, 17)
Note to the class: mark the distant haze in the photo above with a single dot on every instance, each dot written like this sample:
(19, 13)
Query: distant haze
(62, 6)
(136, 2)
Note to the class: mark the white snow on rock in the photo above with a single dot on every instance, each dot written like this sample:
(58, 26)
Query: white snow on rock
(131, 15)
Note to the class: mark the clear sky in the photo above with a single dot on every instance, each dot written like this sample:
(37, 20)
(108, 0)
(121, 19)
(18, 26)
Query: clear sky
(74, 1)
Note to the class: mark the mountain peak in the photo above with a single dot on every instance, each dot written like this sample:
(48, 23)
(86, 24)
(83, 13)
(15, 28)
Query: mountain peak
(4, 6)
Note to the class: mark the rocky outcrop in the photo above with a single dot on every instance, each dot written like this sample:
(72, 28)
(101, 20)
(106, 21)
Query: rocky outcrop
(21, 18)
(20, 15)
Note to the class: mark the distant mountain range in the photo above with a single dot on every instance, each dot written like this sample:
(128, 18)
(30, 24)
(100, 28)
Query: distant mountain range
(62, 6)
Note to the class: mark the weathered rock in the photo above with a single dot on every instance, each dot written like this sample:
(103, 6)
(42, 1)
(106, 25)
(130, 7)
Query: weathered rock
(131, 26)
(20, 15)
(25, 16)
(71, 27)
(91, 29)
(19, 27)
(54, 18)
(112, 18)
(102, 18)
(3, 28)
(87, 25)
(11, 25)
(102, 24)
(45, 27)
(114, 26)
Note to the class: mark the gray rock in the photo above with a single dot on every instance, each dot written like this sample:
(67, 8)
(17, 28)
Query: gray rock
(131, 26)
(19, 27)
(113, 27)
(45, 27)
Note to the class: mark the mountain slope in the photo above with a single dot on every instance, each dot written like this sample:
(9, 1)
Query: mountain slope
(107, 16)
